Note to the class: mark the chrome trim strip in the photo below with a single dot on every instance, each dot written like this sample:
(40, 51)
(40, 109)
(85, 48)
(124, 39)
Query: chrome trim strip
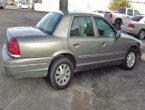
(97, 55)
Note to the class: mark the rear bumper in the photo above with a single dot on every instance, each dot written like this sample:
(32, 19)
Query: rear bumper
(129, 30)
(27, 67)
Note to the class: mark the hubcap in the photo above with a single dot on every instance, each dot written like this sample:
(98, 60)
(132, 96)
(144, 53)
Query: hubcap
(142, 35)
(62, 74)
(117, 25)
(131, 59)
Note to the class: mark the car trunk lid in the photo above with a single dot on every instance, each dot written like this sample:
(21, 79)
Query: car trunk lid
(24, 32)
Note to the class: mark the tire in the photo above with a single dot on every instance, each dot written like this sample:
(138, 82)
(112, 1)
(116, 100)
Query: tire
(61, 73)
(127, 64)
(141, 34)
(117, 24)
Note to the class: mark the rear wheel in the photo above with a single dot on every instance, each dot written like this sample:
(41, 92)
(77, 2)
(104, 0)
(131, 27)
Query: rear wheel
(117, 24)
(61, 73)
(141, 34)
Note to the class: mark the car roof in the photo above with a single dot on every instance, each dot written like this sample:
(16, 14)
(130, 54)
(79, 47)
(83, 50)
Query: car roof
(77, 12)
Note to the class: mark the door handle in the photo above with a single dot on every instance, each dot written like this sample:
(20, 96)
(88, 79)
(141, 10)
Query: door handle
(103, 44)
(76, 45)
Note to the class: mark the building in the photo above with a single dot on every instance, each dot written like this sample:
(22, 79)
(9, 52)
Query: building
(138, 5)
(86, 5)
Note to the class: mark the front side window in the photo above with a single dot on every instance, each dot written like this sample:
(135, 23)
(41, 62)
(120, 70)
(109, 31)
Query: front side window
(136, 13)
(82, 27)
(130, 12)
(104, 28)
(48, 23)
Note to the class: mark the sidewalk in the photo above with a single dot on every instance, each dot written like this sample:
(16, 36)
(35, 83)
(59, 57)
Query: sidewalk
(11, 7)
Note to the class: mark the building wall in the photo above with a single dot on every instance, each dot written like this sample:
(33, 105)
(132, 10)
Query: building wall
(138, 5)
(47, 5)
(86, 5)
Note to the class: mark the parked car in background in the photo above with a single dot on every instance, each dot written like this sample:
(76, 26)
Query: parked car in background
(135, 26)
(2, 4)
(56, 49)
(101, 12)
(24, 5)
(116, 18)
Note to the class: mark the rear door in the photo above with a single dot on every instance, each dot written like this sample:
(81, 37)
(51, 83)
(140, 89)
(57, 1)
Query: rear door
(82, 40)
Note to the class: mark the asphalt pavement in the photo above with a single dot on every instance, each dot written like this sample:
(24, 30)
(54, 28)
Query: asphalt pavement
(110, 88)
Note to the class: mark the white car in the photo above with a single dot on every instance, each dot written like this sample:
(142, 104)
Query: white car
(101, 12)
(24, 5)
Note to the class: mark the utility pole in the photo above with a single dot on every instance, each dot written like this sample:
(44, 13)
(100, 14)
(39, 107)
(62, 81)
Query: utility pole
(63, 5)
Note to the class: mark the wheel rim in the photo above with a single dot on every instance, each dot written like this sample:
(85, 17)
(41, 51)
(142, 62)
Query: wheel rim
(131, 59)
(62, 75)
(117, 25)
(142, 35)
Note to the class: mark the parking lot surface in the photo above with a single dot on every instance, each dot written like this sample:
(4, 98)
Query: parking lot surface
(109, 88)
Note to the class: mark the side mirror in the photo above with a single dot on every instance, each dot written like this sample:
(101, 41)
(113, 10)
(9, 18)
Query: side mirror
(118, 34)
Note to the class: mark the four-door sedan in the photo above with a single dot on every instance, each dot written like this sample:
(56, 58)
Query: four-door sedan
(135, 26)
(63, 43)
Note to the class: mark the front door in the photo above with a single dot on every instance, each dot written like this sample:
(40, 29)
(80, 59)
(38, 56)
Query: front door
(109, 46)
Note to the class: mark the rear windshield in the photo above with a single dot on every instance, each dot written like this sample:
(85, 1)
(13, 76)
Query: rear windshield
(122, 10)
(48, 23)
(137, 18)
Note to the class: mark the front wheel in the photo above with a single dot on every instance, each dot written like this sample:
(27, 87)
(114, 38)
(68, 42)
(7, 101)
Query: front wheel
(141, 34)
(130, 59)
(61, 73)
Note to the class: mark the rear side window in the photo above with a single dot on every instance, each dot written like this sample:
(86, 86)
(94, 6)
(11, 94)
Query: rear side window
(122, 10)
(137, 18)
(130, 12)
(82, 27)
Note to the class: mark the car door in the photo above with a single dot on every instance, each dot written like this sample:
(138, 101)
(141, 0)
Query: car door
(110, 48)
(82, 40)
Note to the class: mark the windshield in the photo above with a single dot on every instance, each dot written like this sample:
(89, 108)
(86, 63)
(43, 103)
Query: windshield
(48, 23)
(137, 18)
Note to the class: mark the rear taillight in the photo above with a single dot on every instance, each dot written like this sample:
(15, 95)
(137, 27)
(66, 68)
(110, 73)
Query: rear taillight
(13, 47)
(131, 25)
